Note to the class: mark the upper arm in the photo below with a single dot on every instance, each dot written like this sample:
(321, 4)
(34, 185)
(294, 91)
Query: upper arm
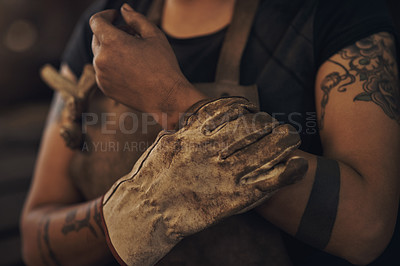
(51, 183)
(357, 100)
(357, 106)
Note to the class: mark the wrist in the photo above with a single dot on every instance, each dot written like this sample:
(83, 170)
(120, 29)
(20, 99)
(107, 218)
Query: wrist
(186, 95)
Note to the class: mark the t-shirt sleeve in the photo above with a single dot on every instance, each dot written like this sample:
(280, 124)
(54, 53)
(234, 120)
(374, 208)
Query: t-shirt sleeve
(341, 23)
(78, 51)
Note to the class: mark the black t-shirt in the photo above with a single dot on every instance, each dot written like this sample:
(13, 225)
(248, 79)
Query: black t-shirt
(337, 24)
(290, 39)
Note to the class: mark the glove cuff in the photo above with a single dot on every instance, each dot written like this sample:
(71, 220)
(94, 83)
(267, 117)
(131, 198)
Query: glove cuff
(135, 231)
(107, 236)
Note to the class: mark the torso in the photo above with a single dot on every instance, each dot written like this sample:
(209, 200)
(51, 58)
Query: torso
(284, 87)
(242, 239)
(120, 150)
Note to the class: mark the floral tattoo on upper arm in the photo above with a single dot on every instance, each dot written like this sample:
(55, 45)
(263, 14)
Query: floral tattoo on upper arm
(371, 61)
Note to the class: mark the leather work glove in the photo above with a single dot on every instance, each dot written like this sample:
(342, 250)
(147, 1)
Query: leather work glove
(226, 159)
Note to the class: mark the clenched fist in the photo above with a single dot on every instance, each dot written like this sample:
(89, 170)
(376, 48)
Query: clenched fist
(139, 68)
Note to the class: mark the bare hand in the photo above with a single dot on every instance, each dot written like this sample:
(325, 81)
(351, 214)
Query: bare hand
(141, 70)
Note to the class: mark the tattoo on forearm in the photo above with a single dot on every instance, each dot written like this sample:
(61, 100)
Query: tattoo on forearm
(75, 225)
(71, 225)
(372, 61)
(46, 240)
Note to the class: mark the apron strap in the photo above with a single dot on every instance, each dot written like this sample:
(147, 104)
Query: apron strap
(155, 11)
(228, 67)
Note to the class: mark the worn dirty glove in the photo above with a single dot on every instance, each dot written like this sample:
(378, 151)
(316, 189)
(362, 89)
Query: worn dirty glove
(226, 159)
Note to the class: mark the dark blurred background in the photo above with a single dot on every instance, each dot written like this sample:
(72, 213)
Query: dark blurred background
(32, 33)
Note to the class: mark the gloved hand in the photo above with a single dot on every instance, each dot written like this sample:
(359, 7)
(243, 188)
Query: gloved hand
(225, 159)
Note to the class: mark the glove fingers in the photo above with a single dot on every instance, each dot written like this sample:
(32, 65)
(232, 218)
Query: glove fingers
(213, 111)
(267, 182)
(269, 179)
(266, 151)
(259, 185)
(245, 131)
(226, 114)
(222, 105)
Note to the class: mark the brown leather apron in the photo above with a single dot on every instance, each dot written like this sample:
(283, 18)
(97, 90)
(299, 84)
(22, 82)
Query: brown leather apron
(121, 135)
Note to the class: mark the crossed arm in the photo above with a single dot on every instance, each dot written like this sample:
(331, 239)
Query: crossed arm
(57, 227)
(358, 133)
(357, 99)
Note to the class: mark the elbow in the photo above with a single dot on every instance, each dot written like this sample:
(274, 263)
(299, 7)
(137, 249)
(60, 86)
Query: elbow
(27, 256)
(28, 251)
(25, 246)
(370, 242)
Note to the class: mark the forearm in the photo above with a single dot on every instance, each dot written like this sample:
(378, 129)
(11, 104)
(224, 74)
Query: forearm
(362, 226)
(58, 235)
